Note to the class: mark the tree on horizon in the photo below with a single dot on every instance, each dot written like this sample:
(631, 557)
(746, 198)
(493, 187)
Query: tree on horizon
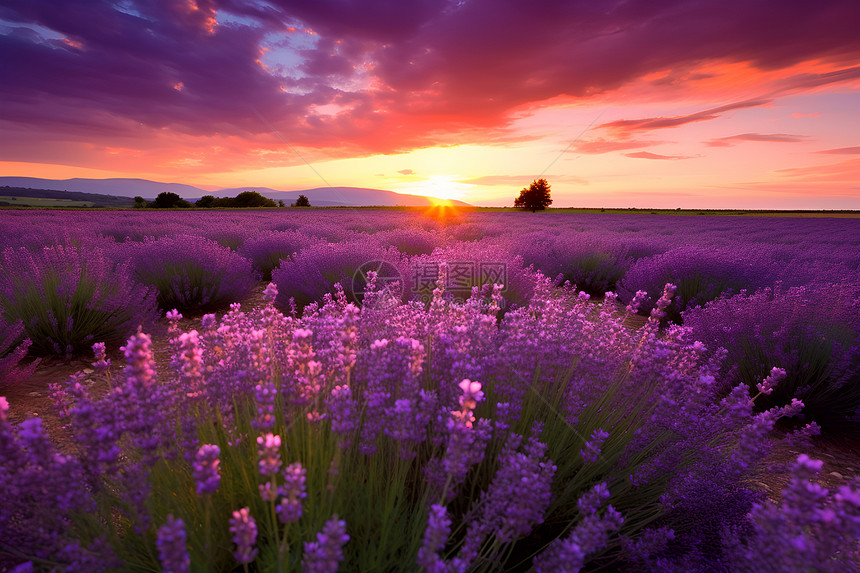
(535, 197)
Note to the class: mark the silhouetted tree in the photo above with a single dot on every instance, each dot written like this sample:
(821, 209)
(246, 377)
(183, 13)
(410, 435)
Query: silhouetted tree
(205, 202)
(535, 198)
(139, 202)
(167, 200)
(303, 201)
(253, 199)
(281, 203)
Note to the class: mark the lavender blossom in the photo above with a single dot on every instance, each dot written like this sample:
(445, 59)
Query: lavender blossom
(270, 293)
(776, 376)
(435, 537)
(140, 360)
(101, 363)
(593, 445)
(293, 491)
(325, 554)
(265, 395)
(205, 469)
(172, 551)
(244, 530)
(269, 453)
(590, 535)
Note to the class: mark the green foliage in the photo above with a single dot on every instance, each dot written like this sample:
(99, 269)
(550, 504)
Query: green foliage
(68, 299)
(303, 201)
(167, 200)
(534, 198)
(205, 202)
(139, 202)
(245, 199)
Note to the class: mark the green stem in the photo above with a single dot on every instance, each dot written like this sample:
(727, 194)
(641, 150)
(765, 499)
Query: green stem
(274, 516)
(208, 546)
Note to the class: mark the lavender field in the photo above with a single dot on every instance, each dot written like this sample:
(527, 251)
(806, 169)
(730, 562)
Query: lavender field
(402, 392)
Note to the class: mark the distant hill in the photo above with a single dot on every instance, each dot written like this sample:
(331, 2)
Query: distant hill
(339, 196)
(117, 187)
(96, 199)
(319, 197)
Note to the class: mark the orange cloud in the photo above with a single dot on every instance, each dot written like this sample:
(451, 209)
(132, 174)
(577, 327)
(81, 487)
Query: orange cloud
(599, 145)
(843, 171)
(649, 155)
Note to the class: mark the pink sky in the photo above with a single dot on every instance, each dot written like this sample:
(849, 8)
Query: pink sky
(731, 104)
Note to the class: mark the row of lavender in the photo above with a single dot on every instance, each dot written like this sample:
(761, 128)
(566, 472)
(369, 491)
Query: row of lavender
(413, 437)
(106, 273)
(625, 434)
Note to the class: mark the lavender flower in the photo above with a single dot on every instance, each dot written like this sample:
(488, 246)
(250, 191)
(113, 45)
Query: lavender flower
(325, 554)
(172, 551)
(270, 293)
(269, 453)
(289, 507)
(265, 396)
(102, 363)
(140, 360)
(590, 535)
(435, 537)
(244, 530)
(772, 381)
(593, 445)
(205, 469)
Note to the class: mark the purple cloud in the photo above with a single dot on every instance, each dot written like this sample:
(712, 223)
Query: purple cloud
(626, 126)
(403, 74)
(773, 137)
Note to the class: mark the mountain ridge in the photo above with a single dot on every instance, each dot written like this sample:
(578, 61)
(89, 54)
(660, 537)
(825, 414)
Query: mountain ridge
(318, 196)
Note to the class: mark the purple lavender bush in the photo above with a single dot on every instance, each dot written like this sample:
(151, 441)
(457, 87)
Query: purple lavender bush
(589, 261)
(266, 250)
(189, 272)
(411, 241)
(811, 332)
(67, 298)
(404, 437)
(318, 268)
(473, 267)
(12, 351)
(701, 274)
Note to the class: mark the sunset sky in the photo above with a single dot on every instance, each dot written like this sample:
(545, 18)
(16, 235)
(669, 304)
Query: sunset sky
(645, 103)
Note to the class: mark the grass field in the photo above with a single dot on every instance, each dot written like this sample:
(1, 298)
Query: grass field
(42, 202)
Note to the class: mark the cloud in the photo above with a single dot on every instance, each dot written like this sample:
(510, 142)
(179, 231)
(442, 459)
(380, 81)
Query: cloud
(843, 171)
(598, 145)
(842, 151)
(812, 114)
(624, 127)
(402, 74)
(649, 155)
(406, 172)
(522, 180)
(772, 137)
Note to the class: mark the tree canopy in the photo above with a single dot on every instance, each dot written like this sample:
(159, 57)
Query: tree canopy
(167, 200)
(242, 200)
(535, 197)
(303, 201)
